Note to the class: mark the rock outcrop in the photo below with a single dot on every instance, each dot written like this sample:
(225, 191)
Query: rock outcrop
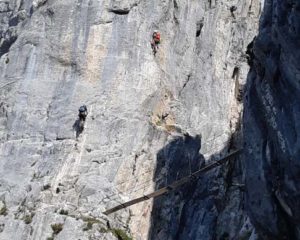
(271, 123)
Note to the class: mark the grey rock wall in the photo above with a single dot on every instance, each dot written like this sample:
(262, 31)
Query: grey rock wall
(271, 123)
(58, 54)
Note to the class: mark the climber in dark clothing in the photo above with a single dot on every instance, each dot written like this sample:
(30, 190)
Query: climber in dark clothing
(82, 112)
(232, 10)
(78, 126)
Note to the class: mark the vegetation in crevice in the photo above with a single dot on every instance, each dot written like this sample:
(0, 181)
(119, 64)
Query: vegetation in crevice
(3, 210)
(56, 228)
(120, 234)
(28, 218)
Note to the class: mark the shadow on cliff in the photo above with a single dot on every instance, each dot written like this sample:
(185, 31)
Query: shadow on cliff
(177, 159)
(270, 125)
(77, 127)
(173, 214)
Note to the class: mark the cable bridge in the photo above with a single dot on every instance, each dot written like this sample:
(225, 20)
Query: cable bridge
(176, 184)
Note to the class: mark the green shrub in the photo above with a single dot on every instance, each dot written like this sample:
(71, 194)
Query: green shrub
(56, 228)
(89, 226)
(3, 210)
(103, 230)
(120, 234)
(90, 221)
(28, 218)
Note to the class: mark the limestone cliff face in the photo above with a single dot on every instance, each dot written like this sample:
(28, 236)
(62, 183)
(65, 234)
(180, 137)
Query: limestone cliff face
(151, 119)
(271, 123)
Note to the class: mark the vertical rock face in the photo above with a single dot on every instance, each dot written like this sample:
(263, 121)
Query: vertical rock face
(151, 120)
(271, 123)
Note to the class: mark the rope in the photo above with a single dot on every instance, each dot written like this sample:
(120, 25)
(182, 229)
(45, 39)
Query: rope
(6, 84)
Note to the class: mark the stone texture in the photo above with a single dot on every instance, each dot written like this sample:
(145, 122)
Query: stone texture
(151, 119)
(271, 125)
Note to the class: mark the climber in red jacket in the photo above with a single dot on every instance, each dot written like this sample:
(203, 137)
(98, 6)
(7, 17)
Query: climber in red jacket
(155, 41)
